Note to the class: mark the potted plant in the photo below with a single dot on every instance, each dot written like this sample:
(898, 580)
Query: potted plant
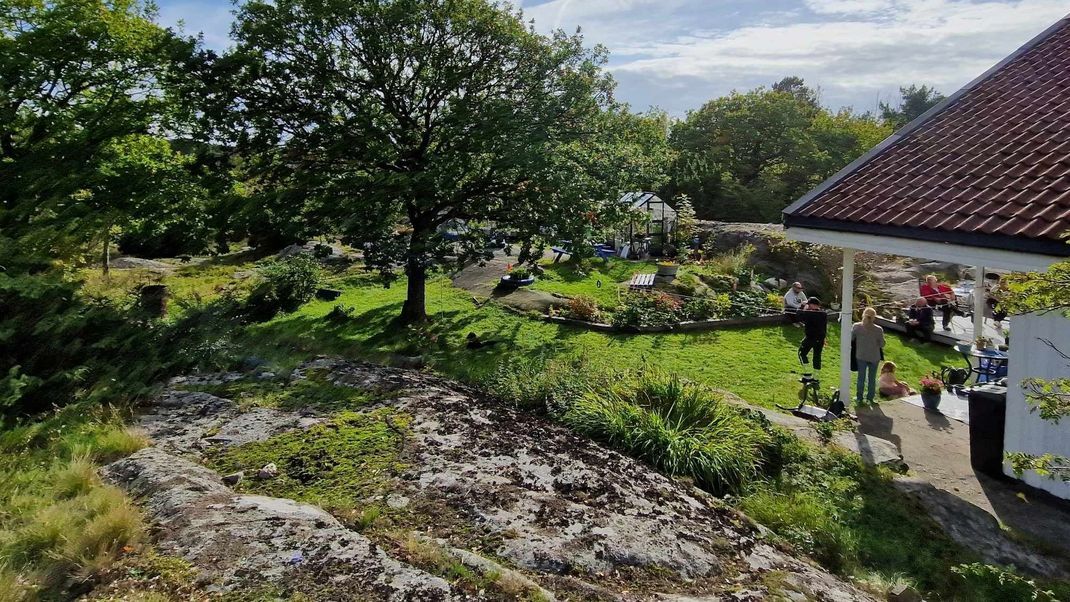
(931, 389)
(982, 343)
(668, 269)
(518, 276)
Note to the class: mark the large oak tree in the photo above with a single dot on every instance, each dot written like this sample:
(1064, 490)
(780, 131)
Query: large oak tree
(384, 120)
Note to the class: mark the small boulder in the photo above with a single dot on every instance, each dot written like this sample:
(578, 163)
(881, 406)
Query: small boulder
(269, 471)
(233, 478)
(397, 502)
(904, 593)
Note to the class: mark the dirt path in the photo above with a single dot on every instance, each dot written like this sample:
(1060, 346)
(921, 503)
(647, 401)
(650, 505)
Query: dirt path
(938, 450)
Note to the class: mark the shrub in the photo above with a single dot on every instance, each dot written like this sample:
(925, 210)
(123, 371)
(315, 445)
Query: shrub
(203, 338)
(55, 344)
(679, 427)
(285, 285)
(340, 314)
(750, 304)
(708, 308)
(730, 263)
(987, 583)
(648, 309)
(583, 308)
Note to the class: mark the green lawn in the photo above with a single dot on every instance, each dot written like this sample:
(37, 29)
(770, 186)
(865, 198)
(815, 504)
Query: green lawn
(758, 364)
(593, 278)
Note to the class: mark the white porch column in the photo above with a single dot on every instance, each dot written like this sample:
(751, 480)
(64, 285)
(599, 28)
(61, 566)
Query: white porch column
(979, 302)
(847, 296)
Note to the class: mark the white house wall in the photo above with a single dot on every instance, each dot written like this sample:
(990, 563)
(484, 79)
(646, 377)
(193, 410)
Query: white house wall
(1031, 357)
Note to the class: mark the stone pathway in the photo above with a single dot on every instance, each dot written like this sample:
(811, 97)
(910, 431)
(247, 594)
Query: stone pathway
(938, 451)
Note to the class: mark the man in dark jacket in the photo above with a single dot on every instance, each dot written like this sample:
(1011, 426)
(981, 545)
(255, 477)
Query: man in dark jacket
(815, 327)
(920, 322)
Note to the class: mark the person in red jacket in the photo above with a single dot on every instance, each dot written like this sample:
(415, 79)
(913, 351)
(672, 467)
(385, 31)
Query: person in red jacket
(939, 296)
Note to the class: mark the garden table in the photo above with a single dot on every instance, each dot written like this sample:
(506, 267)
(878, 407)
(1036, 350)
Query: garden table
(991, 364)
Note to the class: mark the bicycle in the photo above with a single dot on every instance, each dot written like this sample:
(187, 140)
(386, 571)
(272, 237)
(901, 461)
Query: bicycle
(812, 406)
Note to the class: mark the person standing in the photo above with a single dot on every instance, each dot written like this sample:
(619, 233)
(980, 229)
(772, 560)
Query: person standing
(867, 339)
(815, 328)
(920, 322)
(795, 298)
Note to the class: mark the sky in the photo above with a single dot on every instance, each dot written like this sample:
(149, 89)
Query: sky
(678, 54)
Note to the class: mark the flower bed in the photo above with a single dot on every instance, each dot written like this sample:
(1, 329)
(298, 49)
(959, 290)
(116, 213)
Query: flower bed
(662, 312)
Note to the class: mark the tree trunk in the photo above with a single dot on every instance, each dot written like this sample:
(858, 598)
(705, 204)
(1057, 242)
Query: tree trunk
(106, 256)
(415, 308)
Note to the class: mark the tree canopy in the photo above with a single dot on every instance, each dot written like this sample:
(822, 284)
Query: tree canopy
(914, 101)
(383, 120)
(746, 156)
(76, 76)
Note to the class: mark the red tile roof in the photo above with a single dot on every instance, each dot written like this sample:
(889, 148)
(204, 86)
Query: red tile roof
(990, 167)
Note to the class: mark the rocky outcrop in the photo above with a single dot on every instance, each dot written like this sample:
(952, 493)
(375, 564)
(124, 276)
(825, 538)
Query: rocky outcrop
(561, 515)
(240, 541)
(562, 505)
(977, 530)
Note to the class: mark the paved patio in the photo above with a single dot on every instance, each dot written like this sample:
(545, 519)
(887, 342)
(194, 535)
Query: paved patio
(937, 450)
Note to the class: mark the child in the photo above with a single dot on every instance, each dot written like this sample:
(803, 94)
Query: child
(889, 386)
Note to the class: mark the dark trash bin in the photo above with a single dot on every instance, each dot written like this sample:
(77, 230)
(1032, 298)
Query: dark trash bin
(152, 299)
(988, 415)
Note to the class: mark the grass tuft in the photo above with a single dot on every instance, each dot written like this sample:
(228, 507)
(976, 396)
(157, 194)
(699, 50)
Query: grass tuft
(679, 427)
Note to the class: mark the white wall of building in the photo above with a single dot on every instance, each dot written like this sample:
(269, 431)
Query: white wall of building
(1031, 357)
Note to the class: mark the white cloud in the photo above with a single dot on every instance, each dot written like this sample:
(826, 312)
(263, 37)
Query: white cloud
(847, 7)
(853, 58)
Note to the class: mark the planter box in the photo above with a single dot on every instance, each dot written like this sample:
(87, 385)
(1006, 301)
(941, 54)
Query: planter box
(595, 326)
(696, 326)
(668, 271)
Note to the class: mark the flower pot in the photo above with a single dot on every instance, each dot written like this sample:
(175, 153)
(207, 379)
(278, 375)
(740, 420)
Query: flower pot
(515, 282)
(668, 270)
(930, 400)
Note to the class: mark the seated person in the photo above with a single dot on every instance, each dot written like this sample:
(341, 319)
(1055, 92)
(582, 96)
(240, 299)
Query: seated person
(889, 386)
(795, 298)
(938, 294)
(920, 322)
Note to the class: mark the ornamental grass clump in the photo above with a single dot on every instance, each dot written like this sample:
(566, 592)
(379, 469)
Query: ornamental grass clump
(679, 427)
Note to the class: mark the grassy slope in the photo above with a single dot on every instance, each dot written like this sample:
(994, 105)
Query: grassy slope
(758, 364)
